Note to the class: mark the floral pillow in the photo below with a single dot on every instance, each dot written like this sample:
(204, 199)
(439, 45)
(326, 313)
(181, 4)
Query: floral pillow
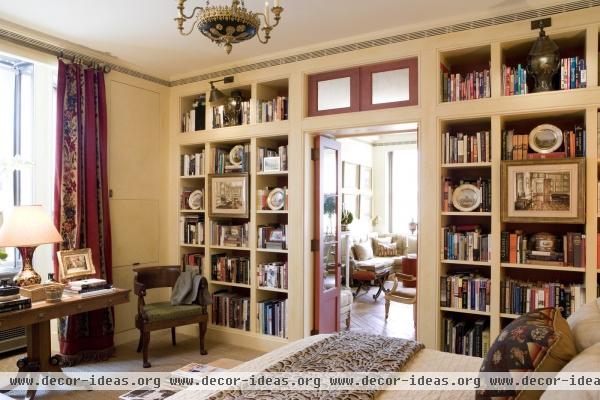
(539, 341)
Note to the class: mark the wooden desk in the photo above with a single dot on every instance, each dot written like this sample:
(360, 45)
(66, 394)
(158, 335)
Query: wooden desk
(37, 322)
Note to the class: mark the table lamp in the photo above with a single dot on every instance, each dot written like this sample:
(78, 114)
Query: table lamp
(27, 227)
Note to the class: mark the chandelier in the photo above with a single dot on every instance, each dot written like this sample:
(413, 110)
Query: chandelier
(226, 25)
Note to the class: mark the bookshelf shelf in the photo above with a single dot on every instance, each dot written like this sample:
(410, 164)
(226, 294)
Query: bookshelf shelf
(467, 214)
(467, 165)
(543, 267)
(270, 289)
(191, 177)
(509, 316)
(275, 173)
(229, 248)
(462, 262)
(465, 311)
(232, 284)
(191, 211)
(261, 250)
(272, 212)
(199, 246)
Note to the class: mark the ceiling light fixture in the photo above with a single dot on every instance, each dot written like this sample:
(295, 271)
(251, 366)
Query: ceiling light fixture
(226, 25)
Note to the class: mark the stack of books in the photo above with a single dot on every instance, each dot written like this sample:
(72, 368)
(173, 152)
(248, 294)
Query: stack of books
(242, 117)
(484, 185)
(514, 80)
(195, 119)
(272, 110)
(230, 269)
(192, 164)
(461, 337)
(465, 243)
(272, 237)
(280, 152)
(466, 147)
(272, 317)
(573, 73)
(465, 291)
(14, 303)
(191, 229)
(520, 297)
(230, 235)
(193, 262)
(88, 287)
(516, 146)
(568, 251)
(231, 309)
(222, 163)
(273, 275)
(474, 85)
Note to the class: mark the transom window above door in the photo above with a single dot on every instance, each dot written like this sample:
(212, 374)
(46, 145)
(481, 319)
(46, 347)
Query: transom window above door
(370, 87)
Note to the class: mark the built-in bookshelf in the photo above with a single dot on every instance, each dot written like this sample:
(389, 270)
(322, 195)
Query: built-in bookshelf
(465, 74)
(245, 259)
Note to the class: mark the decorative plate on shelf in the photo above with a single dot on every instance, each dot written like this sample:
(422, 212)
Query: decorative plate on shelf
(196, 200)
(466, 197)
(276, 199)
(545, 138)
(236, 155)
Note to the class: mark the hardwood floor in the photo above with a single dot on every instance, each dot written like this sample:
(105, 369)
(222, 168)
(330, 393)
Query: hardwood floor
(368, 315)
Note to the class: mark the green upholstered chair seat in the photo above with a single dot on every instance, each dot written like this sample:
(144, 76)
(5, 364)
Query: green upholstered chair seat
(164, 311)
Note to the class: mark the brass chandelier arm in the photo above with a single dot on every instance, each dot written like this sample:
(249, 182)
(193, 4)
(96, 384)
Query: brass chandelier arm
(181, 18)
(180, 26)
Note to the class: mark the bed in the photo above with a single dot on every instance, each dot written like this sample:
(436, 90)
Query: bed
(425, 360)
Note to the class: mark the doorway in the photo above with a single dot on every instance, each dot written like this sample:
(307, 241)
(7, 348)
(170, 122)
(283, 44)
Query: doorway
(378, 218)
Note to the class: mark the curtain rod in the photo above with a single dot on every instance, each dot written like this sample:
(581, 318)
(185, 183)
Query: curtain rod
(86, 63)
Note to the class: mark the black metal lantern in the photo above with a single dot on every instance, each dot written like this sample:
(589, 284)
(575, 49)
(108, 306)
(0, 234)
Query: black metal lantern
(233, 109)
(543, 60)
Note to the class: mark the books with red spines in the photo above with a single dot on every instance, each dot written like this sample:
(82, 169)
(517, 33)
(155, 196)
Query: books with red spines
(512, 254)
(541, 156)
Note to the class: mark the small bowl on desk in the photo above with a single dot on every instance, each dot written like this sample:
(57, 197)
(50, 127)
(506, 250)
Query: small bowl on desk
(54, 292)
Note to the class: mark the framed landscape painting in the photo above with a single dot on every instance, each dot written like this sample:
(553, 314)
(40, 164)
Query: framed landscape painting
(545, 191)
(229, 195)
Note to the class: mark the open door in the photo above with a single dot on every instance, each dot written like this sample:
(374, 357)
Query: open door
(326, 239)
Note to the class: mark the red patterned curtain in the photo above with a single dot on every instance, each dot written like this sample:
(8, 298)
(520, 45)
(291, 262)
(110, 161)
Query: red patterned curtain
(81, 201)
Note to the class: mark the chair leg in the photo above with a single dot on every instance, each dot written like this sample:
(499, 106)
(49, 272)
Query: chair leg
(202, 325)
(140, 342)
(173, 336)
(387, 308)
(145, 350)
(360, 284)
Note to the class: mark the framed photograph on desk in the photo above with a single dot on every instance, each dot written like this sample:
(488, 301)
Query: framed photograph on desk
(75, 263)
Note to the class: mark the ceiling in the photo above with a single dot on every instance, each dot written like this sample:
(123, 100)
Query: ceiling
(143, 34)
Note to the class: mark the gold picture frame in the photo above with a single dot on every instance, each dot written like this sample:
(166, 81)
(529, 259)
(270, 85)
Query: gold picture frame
(543, 191)
(75, 263)
(228, 195)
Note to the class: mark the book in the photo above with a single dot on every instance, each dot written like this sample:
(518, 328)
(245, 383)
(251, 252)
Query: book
(469, 86)
(226, 268)
(273, 275)
(465, 291)
(465, 337)
(87, 289)
(272, 317)
(514, 80)
(97, 292)
(229, 234)
(521, 297)
(272, 110)
(484, 185)
(20, 303)
(466, 147)
(85, 283)
(231, 309)
(465, 245)
(569, 250)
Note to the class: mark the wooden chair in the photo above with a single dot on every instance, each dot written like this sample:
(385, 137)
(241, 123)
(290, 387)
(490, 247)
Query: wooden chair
(163, 315)
(404, 295)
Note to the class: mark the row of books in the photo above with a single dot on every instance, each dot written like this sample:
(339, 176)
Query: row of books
(473, 85)
(220, 119)
(14, 303)
(516, 146)
(272, 110)
(272, 317)
(231, 309)
(230, 235)
(520, 297)
(273, 275)
(273, 159)
(191, 229)
(272, 236)
(193, 262)
(222, 160)
(465, 291)
(518, 248)
(262, 196)
(192, 164)
(185, 197)
(195, 119)
(230, 269)
(463, 337)
(573, 73)
(514, 80)
(484, 185)
(466, 147)
(466, 243)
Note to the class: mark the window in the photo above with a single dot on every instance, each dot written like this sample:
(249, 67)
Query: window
(404, 194)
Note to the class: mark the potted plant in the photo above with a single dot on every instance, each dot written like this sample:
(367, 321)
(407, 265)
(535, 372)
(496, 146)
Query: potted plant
(347, 219)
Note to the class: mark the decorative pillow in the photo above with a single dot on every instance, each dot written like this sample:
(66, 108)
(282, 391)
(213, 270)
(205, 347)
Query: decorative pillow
(385, 249)
(401, 245)
(586, 361)
(362, 251)
(539, 341)
(585, 325)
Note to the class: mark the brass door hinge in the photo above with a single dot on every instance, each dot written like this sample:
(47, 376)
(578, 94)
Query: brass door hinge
(314, 154)
(314, 245)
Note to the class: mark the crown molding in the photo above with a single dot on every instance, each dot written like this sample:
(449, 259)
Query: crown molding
(57, 47)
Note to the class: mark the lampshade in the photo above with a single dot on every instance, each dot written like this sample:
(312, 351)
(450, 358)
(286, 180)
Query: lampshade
(28, 226)
(216, 95)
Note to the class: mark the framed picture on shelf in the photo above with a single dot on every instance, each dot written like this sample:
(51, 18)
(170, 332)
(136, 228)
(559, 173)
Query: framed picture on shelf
(228, 196)
(366, 178)
(271, 164)
(349, 175)
(545, 191)
(366, 207)
(75, 263)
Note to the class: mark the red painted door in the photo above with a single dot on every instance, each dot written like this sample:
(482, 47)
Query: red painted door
(326, 239)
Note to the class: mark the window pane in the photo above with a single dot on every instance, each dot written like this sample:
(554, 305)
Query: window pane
(333, 93)
(390, 86)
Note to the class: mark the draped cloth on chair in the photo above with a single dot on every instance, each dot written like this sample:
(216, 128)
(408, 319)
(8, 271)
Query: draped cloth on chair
(81, 201)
